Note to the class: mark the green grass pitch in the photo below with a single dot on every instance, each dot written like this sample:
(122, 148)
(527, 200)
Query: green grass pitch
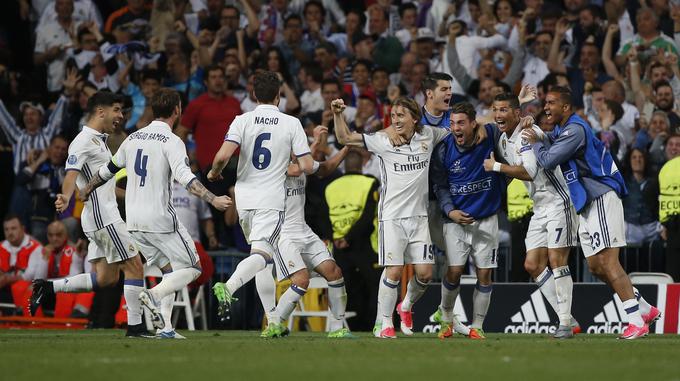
(100, 355)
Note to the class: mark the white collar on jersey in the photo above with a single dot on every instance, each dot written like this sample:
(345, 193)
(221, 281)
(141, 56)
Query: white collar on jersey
(159, 123)
(265, 106)
(95, 132)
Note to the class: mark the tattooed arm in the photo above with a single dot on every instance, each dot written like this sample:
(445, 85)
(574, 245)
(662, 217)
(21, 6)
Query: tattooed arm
(220, 203)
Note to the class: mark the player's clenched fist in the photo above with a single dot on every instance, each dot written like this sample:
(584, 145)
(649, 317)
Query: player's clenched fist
(61, 203)
(338, 106)
(221, 203)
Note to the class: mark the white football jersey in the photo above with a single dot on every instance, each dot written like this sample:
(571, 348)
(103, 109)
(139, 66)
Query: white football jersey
(266, 137)
(86, 154)
(404, 172)
(153, 156)
(191, 210)
(294, 224)
(548, 189)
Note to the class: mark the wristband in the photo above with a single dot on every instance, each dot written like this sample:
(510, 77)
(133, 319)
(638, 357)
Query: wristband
(496, 167)
(315, 166)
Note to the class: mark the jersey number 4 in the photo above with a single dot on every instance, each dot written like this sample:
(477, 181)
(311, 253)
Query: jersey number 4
(140, 167)
(261, 155)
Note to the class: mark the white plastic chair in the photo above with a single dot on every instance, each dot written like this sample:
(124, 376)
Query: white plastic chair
(316, 283)
(650, 278)
(181, 300)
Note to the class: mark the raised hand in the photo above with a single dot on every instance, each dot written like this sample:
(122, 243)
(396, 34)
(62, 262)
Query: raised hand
(528, 94)
(338, 106)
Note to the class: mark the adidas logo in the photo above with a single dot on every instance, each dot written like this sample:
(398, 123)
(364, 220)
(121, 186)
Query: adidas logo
(612, 319)
(532, 317)
(458, 311)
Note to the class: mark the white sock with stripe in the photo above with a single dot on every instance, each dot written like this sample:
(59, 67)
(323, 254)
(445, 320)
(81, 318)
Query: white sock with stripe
(644, 306)
(131, 290)
(266, 289)
(632, 308)
(564, 287)
(337, 302)
(414, 291)
(245, 271)
(288, 302)
(546, 283)
(77, 283)
(378, 314)
(387, 300)
(481, 298)
(449, 295)
(174, 281)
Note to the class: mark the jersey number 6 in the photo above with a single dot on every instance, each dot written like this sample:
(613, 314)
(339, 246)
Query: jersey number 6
(261, 155)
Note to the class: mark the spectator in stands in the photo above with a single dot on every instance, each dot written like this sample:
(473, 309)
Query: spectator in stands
(209, 116)
(310, 77)
(653, 139)
(388, 49)
(536, 65)
(344, 42)
(641, 205)
(330, 90)
(367, 119)
(669, 206)
(294, 49)
(315, 26)
(648, 38)
(53, 41)
(190, 86)
(355, 238)
(468, 47)
(408, 17)
(272, 26)
(83, 11)
(665, 101)
(361, 83)
(230, 24)
(325, 56)
(21, 261)
(614, 91)
(149, 82)
(136, 13)
(42, 174)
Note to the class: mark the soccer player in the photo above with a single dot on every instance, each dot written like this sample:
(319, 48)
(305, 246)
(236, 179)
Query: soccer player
(596, 187)
(404, 237)
(111, 247)
(301, 250)
(153, 157)
(470, 199)
(554, 225)
(266, 138)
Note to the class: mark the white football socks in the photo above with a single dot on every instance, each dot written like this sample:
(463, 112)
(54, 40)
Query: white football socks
(337, 302)
(266, 289)
(414, 291)
(564, 287)
(387, 300)
(644, 306)
(131, 290)
(174, 281)
(481, 298)
(76, 283)
(449, 295)
(378, 313)
(287, 303)
(245, 271)
(632, 308)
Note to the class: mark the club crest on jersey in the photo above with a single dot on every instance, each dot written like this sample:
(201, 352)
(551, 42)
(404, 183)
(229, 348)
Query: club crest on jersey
(72, 159)
(504, 143)
(424, 146)
(131, 248)
(291, 264)
(525, 142)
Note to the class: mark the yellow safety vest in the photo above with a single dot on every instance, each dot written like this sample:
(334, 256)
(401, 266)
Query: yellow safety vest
(346, 198)
(669, 187)
(519, 202)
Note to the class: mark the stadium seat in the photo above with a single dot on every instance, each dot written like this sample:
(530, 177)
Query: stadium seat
(181, 300)
(199, 309)
(316, 283)
(650, 278)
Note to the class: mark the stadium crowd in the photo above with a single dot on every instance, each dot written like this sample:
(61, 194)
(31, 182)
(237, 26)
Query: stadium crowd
(620, 58)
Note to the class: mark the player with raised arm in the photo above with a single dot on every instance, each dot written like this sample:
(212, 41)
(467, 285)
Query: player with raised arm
(111, 247)
(596, 187)
(403, 233)
(470, 199)
(301, 250)
(553, 227)
(154, 157)
(266, 137)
